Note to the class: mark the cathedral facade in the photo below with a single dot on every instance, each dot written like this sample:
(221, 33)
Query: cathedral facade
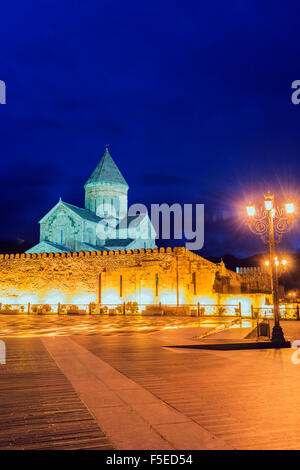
(103, 224)
(103, 255)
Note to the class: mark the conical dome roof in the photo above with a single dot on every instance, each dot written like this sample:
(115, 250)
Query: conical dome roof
(106, 172)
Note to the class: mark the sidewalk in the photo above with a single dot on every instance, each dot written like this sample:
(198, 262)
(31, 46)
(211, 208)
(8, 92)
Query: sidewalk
(39, 407)
(129, 415)
(249, 399)
(133, 392)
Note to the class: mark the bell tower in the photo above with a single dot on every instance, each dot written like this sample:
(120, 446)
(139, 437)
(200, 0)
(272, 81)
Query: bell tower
(106, 190)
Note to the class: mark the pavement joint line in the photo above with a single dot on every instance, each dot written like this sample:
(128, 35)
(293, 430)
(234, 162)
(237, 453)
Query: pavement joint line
(160, 426)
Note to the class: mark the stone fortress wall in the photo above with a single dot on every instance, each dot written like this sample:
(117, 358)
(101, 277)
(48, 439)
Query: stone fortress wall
(254, 279)
(170, 276)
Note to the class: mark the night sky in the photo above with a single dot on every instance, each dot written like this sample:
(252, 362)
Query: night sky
(193, 97)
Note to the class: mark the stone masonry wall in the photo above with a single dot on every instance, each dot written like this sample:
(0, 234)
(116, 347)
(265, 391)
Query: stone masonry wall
(146, 276)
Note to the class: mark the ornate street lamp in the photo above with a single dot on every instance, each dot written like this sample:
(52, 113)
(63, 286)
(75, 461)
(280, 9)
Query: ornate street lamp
(271, 222)
(281, 265)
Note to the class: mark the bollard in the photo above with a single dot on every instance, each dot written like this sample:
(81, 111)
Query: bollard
(58, 308)
(198, 309)
(28, 311)
(124, 308)
(90, 308)
(160, 308)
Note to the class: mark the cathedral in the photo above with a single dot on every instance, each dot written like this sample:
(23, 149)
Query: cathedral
(104, 223)
(105, 255)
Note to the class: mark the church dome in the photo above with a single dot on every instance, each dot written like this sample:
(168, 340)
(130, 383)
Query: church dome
(106, 172)
(106, 189)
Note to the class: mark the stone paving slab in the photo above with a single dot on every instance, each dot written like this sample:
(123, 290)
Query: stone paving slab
(249, 399)
(39, 407)
(144, 423)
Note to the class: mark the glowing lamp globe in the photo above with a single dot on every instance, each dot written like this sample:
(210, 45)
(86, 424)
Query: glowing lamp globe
(250, 211)
(289, 207)
(269, 204)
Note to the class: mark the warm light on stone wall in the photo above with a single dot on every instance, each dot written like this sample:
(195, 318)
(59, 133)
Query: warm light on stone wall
(168, 276)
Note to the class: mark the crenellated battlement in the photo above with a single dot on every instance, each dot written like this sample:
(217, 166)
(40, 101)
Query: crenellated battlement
(87, 254)
(250, 270)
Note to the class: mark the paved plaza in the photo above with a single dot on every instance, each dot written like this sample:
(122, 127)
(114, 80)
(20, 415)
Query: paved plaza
(114, 383)
(106, 325)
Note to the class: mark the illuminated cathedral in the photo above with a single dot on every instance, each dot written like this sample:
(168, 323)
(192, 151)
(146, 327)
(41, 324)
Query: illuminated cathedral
(104, 223)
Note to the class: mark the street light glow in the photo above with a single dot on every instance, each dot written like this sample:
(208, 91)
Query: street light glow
(289, 207)
(268, 205)
(269, 202)
(251, 211)
(277, 262)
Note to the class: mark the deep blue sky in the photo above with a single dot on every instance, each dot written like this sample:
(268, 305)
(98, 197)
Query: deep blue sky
(194, 98)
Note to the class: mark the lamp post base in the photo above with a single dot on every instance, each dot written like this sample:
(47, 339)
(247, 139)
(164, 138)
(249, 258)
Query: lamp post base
(277, 334)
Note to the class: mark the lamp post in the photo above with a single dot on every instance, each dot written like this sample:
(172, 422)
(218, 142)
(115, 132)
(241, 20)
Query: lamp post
(280, 267)
(271, 223)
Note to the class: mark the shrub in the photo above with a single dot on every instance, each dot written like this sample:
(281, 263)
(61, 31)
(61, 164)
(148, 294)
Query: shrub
(119, 309)
(132, 307)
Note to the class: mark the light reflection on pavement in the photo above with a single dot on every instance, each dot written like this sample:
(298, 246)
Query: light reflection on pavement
(58, 325)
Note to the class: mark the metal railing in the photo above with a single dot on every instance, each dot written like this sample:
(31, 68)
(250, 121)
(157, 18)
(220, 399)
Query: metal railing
(287, 312)
(134, 308)
(125, 308)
